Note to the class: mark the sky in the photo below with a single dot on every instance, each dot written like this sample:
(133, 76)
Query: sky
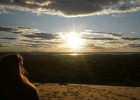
(69, 25)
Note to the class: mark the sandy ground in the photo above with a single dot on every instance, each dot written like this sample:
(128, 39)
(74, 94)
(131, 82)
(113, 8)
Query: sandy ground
(52, 91)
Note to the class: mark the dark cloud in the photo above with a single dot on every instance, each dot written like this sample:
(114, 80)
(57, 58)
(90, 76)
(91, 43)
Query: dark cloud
(9, 38)
(109, 33)
(131, 39)
(114, 36)
(31, 41)
(54, 42)
(28, 32)
(98, 47)
(134, 45)
(31, 34)
(108, 40)
(7, 29)
(98, 38)
(17, 30)
(42, 36)
(129, 6)
(35, 44)
(124, 8)
(40, 41)
(115, 42)
(72, 7)
(93, 46)
(47, 46)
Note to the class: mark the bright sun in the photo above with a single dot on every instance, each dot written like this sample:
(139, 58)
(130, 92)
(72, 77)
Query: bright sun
(73, 40)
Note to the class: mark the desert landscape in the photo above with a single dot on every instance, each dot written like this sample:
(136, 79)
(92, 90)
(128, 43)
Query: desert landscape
(55, 91)
(87, 76)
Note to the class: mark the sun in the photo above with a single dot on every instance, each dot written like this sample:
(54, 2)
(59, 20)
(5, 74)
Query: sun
(73, 40)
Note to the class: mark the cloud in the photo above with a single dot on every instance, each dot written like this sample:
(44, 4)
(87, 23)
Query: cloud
(39, 44)
(109, 33)
(104, 35)
(107, 36)
(18, 30)
(28, 39)
(108, 40)
(89, 38)
(131, 39)
(73, 7)
(9, 38)
(134, 46)
(28, 32)
(42, 36)
(31, 41)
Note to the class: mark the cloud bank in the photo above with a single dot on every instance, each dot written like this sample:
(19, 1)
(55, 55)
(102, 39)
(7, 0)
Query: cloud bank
(35, 39)
(71, 8)
(27, 39)
(108, 40)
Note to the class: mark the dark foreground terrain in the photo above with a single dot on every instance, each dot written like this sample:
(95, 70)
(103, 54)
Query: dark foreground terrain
(98, 69)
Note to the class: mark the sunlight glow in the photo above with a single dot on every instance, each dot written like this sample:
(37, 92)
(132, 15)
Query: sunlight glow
(73, 40)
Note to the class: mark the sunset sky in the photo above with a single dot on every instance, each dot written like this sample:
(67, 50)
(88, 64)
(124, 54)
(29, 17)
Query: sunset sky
(70, 25)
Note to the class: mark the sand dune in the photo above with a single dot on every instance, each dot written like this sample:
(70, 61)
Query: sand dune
(52, 91)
